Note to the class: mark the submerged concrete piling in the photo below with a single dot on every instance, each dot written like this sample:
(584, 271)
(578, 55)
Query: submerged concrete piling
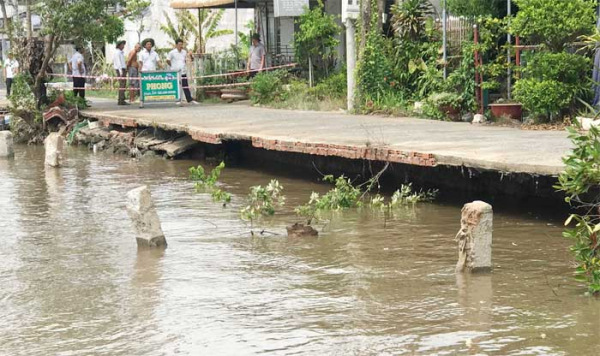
(144, 218)
(53, 144)
(475, 238)
(6, 144)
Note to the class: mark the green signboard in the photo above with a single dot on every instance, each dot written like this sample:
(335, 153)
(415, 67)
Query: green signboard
(160, 86)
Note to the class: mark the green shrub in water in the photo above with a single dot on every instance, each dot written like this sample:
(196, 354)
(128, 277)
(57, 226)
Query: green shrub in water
(580, 182)
(203, 181)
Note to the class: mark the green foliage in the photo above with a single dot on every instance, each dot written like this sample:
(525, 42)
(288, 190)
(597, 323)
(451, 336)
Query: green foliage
(263, 201)
(462, 79)
(580, 182)
(203, 180)
(316, 36)
(208, 182)
(477, 8)
(187, 25)
(21, 97)
(80, 20)
(552, 82)
(333, 86)
(267, 86)
(375, 67)
(554, 23)
(343, 196)
(440, 106)
(346, 195)
(407, 196)
(136, 11)
(409, 18)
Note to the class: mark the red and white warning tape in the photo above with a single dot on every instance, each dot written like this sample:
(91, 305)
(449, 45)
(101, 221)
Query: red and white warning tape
(232, 74)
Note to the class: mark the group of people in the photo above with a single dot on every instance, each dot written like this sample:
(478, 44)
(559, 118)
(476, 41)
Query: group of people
(143, 58)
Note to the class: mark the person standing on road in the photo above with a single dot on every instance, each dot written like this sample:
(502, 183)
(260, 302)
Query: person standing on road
(78, 69)
(133, 68)
(121, 69)
(177, 60)
(148, 58)
(256, 57)
(11, 68)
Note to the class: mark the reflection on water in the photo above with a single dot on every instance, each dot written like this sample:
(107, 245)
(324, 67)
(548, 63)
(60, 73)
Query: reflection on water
(73, 281)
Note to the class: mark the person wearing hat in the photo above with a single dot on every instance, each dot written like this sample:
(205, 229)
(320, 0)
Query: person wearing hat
(256, 57)
(121, 69)
(148, 57)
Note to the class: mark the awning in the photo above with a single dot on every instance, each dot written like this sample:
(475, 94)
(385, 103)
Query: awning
(197, 4)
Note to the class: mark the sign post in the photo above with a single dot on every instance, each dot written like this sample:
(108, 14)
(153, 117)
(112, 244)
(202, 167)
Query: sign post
(160, 86)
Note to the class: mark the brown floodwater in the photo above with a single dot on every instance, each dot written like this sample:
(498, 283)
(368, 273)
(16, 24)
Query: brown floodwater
(72, 281)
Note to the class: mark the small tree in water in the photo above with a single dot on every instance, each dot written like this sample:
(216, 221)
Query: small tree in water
(580, 182)
(262, 201)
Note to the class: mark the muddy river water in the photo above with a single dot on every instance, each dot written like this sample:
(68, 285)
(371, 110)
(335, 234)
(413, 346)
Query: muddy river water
(73, 283)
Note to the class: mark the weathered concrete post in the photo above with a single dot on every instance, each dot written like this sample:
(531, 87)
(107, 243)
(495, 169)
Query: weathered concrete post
(475, 238)
(53, 144)
(146, 223)
(350, 61)
(6, 144)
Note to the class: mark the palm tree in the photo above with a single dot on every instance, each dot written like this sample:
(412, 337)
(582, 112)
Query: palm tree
(188, 26)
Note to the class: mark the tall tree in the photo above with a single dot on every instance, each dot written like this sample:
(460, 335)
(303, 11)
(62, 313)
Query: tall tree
(78, 20)
(137, 11)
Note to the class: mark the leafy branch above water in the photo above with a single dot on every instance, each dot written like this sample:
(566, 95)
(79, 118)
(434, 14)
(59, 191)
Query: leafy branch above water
(346, 195)
(208, 182)
(262, 201)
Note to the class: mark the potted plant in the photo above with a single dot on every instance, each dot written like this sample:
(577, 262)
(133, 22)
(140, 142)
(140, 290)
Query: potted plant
(443, 106)
(507, 108)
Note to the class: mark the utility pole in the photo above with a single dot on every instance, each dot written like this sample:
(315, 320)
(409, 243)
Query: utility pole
(29, 25)
(445, 38)
(350, 61)
(508, 44)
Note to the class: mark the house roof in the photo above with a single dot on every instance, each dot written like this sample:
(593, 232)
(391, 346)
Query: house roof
(212, 4)
(195, 4)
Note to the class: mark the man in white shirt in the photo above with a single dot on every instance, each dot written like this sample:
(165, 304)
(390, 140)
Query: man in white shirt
(11, 68)
(256, 56)
(121, 69)
(148, 57)
(177, 60)
(77, 65)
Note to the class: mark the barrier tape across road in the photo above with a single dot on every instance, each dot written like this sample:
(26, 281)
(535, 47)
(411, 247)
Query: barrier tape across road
(232, 74)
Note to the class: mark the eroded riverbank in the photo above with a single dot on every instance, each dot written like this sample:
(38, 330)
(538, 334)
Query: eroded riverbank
(73, 280)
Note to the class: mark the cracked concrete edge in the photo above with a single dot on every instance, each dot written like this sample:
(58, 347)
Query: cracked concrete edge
(327, 149)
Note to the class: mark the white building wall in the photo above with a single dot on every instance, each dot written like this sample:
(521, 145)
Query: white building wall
(156, 17)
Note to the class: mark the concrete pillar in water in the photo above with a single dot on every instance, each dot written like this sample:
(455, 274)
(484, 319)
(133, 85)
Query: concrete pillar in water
(53, 144)
(6, 144)
(475, 238)
(350, 61)
(144, 218)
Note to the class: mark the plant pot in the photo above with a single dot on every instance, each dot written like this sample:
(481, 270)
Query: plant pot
(213, 93)
(234, 94)
(512, 110)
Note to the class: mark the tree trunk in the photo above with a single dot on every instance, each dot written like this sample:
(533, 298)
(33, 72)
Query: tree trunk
(50, 47)
(29, 25)
(380, 11)
(7, 28)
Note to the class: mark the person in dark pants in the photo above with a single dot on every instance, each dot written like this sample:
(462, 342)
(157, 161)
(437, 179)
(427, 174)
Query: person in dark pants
(11, 68)
(177, 60)
(121, 69)
(78, 69)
